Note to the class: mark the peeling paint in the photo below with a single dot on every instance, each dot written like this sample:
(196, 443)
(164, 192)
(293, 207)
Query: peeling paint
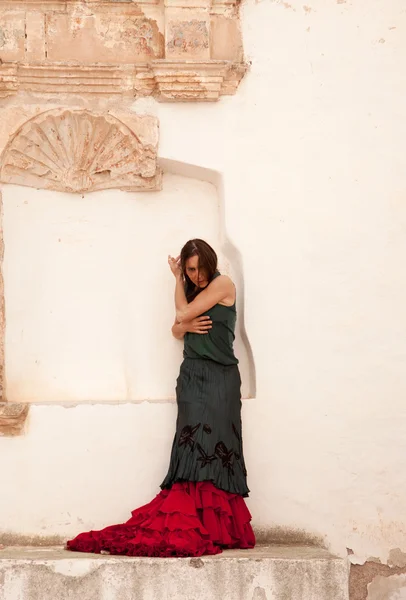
(397, 558)
(361, 577)
(374, 559)
(387, 588)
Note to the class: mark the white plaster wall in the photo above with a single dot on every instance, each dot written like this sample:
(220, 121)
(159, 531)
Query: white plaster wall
(84, 466)
(88, 290)
(311, 151)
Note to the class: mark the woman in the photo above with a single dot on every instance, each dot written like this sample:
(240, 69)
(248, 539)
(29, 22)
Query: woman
(201, 507)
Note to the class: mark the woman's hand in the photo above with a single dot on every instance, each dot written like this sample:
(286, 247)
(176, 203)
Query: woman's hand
(174, 265)
(199, 325)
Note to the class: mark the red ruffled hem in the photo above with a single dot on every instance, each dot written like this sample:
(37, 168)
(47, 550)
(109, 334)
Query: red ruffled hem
(190, 519)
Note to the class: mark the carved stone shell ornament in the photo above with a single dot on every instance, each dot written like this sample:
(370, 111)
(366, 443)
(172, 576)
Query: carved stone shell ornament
(78, 151)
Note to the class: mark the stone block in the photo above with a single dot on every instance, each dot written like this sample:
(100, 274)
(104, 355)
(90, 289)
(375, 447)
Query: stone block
(265, 573)
(35, 32)
(97, 38)
(225, 39)
(188, 38)
(12, 36)
(102, 49)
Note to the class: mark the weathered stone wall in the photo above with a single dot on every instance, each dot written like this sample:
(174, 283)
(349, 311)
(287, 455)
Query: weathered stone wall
(372, 580)
(176, 50)
(87, 60)
(309, 158)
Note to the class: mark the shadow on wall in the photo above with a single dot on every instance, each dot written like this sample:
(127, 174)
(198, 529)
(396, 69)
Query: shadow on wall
(232, 254)
(112, 363)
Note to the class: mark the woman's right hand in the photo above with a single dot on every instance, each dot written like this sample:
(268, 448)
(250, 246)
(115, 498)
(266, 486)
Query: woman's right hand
(199, 325)
(174, 265)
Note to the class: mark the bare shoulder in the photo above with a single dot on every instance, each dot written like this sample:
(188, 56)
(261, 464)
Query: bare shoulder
(226, 290)
(224, 282)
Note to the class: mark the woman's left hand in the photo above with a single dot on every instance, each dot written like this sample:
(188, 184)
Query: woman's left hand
(174, 264)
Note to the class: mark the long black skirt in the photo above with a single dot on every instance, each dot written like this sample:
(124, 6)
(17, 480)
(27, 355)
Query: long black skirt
(208, 440)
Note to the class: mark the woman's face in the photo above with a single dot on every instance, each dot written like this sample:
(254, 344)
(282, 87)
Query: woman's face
(196, 275)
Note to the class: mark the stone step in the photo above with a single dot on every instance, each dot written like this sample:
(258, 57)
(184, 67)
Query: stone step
(265, 573)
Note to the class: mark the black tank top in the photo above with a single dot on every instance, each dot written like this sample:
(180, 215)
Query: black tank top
(218, 344)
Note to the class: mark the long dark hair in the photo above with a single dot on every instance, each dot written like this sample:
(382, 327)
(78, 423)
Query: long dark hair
(207, 261)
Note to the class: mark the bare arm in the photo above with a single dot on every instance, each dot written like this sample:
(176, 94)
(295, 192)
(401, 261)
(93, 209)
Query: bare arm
(220, 289)
(178, 330)
(200, 325)
(180, 297)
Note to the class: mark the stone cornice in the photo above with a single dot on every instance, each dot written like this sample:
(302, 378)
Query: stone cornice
(177, 50)
(167, 80)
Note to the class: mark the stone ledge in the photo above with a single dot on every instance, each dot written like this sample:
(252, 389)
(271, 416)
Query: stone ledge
(167, 80)
(196, 80)
(277, 572)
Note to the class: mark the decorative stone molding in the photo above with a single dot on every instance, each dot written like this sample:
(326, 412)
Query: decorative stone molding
(195, 80)
(78, 151)
(12, 419)
(119, 48)
(167, 80)
(71, 151)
